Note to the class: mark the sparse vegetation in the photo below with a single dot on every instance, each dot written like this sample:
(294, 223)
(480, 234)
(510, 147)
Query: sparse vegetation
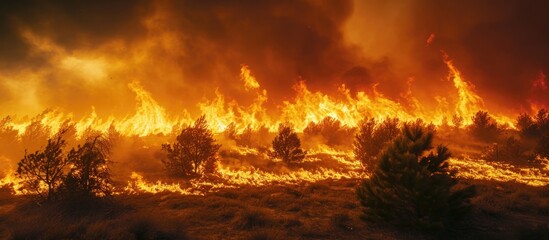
(89, 175)
(287, 146)
(194, 151)
(484, 127)
(43, 171)
(457, 121)
(82, 173)
(372, 138)
(510, 150)
(412, 188)
(252, 218)
(329, 132)
(537, 130)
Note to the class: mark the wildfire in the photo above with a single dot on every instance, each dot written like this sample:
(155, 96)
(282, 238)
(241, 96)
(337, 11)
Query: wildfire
(469, 102)
(249, 79)
(233, 178)
(228, 177)
(480, 169)
(255, 177)
(150, 118)
(138, 185)
(13, 183)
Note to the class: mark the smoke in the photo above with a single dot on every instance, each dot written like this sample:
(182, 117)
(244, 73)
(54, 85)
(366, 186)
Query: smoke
(498, 46)
(78, 54)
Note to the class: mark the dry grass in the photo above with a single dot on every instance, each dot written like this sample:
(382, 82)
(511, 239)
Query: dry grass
(252, 218)
(324, 210)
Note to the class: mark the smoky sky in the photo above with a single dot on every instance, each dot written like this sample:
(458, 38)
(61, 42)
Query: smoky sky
(500, 46)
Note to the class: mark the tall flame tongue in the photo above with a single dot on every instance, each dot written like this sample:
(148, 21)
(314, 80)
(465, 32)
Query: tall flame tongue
(221, 113)
(469, 102)
(150, 117)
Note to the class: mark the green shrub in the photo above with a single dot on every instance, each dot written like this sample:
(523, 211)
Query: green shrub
(412, 185)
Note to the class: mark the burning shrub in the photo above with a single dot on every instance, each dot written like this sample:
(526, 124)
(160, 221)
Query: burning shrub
(329, 130)
(457, 121)
(484, 127)
(89, 175)
(249, 137)
(42, 171)
(194, 147)
(411, 188)
(372, 138)
(287, 146)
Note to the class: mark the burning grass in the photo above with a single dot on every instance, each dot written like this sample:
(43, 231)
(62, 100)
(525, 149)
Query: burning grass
(248, 194)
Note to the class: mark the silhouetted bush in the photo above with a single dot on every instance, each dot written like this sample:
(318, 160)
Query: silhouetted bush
(89, 174)
(510, 150)
(412, 188)
(536, 129)
(82, 173)
(527, 127)
(484, 127)
(329, 130)
(457, 121)
(542, 148)
(372, 138)
(43, 171)
(287, 146)
(194, 147)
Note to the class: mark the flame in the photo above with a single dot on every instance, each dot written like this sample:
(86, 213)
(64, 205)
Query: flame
(469, 102)
(249, 80)
(228, 177)
(313, 107)
(233, 178)
(150, 118)
(221, 113)
(480, 169)
(138, 185)
(13, 183)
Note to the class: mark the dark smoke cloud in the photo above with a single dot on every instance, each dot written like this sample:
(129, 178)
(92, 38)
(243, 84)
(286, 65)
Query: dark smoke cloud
(281, 41)
(71, 24)
(501, 46)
